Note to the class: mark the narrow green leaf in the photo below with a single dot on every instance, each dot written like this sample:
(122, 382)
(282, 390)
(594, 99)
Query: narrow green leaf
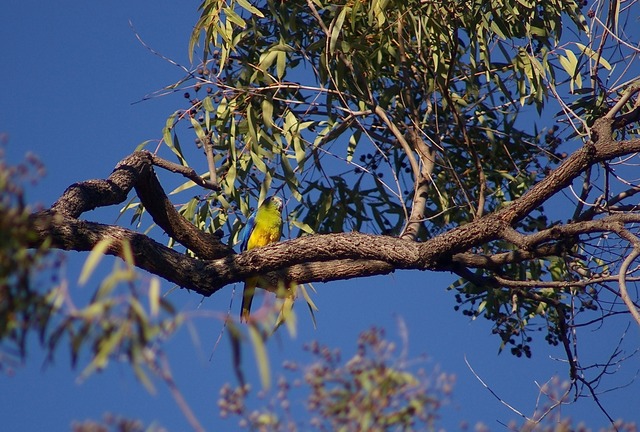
(251, 123)
(262, 359)
(230, 179)
(94, 258)
(143, 378)
(95, 310)
(593, 55)
(127, 253)
(267, 112)
(178, 149)
(138, 310)
(351, 147)
(302, 226)
(198, 129)
(106, 347)
(300, 152)
(250, 8)
(288, 316)
(281, 64)
(154, 296)
(265, 187)
(310, 304)
(570, 65)
(336, 29)
(189, 209)
(290, 178)
(307, 297)
(266, 60)
(259, 163)
(167, 137)
(207, 104)
(143, 144)
(188, 184)
(233, 17)
(481, 307)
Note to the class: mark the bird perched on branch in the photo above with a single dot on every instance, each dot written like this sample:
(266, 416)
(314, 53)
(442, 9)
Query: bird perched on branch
(263, 227)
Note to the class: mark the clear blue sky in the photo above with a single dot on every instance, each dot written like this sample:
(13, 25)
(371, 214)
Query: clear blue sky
(70, 73)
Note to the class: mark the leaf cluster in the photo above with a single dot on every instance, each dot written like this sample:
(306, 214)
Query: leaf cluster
(291, 90)
(25, 305)
(116, 324)
(34, 299)
(375, 389)
(313, 100)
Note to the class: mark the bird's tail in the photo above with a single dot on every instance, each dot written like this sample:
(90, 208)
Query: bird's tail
(247, 297)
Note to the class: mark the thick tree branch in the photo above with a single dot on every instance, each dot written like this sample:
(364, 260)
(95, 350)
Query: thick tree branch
(319, 257)
(207, 277)
(308, 259)
(496, 261)
(422, 182)
(600, 148)
(136, 171)
(68, 233)
(423, 171)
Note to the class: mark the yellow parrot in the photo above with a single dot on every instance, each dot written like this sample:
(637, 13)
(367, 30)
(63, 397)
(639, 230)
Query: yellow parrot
(263, 227)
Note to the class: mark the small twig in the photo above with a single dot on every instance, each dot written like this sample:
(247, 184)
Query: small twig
(629, 92)
(382, 115)
(163, 370)
(582, 199)
(224, 326)
(316, 15)
(494, 393)
(558, 401)
(563, 331)
(187, 172)
(208, 150)
(597, 401)
(154, 52)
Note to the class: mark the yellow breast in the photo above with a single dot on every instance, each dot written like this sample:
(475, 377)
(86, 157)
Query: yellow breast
(262, 237)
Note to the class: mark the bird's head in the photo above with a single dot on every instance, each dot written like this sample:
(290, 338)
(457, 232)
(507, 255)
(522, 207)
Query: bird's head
(273, 201)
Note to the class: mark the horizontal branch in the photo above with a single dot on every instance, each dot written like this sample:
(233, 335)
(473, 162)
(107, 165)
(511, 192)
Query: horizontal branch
(207, 277)
(498, 260)
(68, 233)
(317, 257)
(323, 258)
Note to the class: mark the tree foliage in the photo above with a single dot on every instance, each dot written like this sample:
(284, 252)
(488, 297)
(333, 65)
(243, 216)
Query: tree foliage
(412, 118)
(23, 305)
(375, 389)
(491, 139)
